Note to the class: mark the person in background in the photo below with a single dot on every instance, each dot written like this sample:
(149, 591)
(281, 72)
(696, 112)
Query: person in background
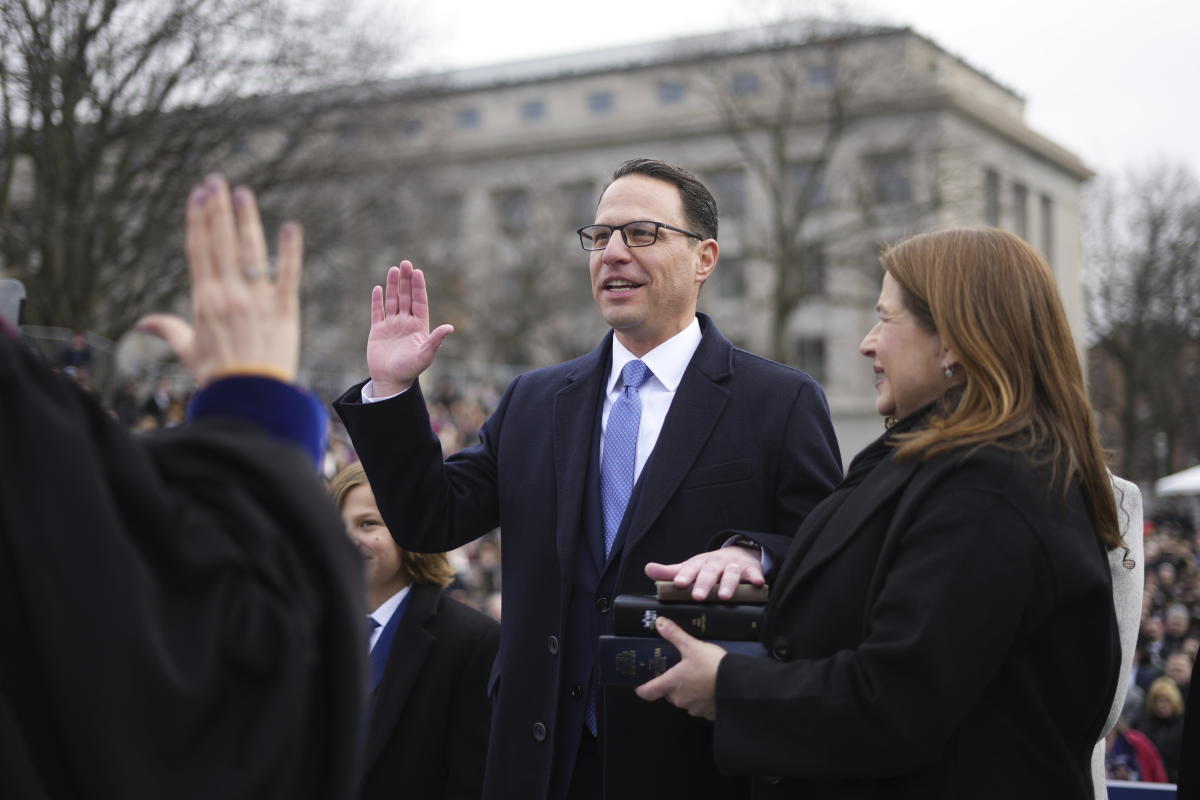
(1179, 669)
(1162, 721)
(181, 612)
(943, 625)
(1129, 753)
(77, 353)
(429, 713)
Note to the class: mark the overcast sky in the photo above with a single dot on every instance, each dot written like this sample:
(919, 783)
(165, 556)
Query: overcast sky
(1116, 82)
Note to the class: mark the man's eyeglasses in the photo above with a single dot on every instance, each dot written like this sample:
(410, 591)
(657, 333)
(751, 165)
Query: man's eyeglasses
(640, 233)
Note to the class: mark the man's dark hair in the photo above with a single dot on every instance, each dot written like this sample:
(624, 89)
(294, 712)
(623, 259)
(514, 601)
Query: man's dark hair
(699, 207)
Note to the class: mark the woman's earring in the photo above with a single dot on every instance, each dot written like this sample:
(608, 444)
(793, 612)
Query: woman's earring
(948, 371)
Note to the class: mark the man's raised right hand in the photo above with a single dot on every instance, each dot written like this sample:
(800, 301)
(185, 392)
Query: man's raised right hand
(400, 346)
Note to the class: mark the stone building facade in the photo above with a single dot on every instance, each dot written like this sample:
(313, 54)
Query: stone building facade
(821, 143)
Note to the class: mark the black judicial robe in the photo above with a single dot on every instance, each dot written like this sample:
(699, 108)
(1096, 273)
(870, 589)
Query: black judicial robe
(177, 611)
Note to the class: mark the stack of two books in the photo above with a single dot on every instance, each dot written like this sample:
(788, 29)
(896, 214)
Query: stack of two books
(635, 652)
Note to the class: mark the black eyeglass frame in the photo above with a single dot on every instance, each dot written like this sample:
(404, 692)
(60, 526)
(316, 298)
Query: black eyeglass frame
(611, 228)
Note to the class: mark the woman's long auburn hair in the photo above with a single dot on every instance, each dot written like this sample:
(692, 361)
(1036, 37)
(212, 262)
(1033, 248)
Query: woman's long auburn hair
(992, 299)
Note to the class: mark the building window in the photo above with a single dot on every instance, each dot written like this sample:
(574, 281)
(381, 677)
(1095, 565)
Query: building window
(600, 102)
(991, 198)
(449, 216)
(810, 357)
(670, 93)
(823, 75)
(1048, 228)
(407, 127)
(512, 211)
(729, 190)
(467, 118)
(579, 203)
(745, 83)
(731, 278)
(807, 186)
(812, 265)
(533, 110)
(890, 178)
(1020, 196)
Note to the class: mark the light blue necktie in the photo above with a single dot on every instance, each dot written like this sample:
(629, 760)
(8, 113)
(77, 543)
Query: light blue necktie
(620, 451)
(616, 471)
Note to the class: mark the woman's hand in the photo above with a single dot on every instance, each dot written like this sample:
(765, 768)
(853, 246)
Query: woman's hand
(724, 568)
(245, 318)
(692, 683)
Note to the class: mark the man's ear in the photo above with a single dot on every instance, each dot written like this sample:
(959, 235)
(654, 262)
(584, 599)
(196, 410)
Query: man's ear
(706, 259)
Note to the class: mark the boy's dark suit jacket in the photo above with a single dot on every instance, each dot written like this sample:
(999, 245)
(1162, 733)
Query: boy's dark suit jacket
(747, 444)
(430, 715)
(938, 629)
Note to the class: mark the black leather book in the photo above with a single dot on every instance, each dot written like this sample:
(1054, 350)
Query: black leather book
(633, 660)
(634, 615)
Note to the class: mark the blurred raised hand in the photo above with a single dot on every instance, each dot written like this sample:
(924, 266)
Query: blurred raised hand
(245, 315)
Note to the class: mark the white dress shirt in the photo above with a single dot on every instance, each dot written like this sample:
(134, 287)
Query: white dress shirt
(383, 614)
(667, 363)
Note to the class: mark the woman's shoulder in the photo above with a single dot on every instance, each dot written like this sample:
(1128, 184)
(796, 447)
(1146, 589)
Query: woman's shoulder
(990, 467)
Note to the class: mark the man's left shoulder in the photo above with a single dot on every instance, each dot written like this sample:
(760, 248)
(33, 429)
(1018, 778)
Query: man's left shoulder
(748, 366)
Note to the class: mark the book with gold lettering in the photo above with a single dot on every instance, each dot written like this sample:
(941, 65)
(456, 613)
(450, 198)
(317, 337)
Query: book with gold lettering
(635, 614)
(633, 660)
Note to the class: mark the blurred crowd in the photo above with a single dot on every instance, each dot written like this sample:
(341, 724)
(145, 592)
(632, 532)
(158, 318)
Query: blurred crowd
(1145, 745)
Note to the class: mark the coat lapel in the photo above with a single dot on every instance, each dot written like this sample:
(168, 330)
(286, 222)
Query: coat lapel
(699, 402)
(814, 548)
(575, 408)
(410, 648)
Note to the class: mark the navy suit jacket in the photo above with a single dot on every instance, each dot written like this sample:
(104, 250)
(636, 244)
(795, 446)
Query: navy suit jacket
(747, 444)
(427, 733)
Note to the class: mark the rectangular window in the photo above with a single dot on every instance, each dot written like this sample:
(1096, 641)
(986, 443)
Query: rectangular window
(1020, 196)
(512, 210)
(991, 198)
(745, 83)
(812, 264)
(670, 93)
(579, 203)
(467, 118)
(533, 110)
(810, 357)
(729, 190)
(807, 186)
(600, 102)
(891, 181)
(407, 127)
(822, 75)
(1048, 228)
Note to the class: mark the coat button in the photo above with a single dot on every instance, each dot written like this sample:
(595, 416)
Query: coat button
(539, 732)
(781, 650)
(602, 605)
(552, 645)
(577, 692)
